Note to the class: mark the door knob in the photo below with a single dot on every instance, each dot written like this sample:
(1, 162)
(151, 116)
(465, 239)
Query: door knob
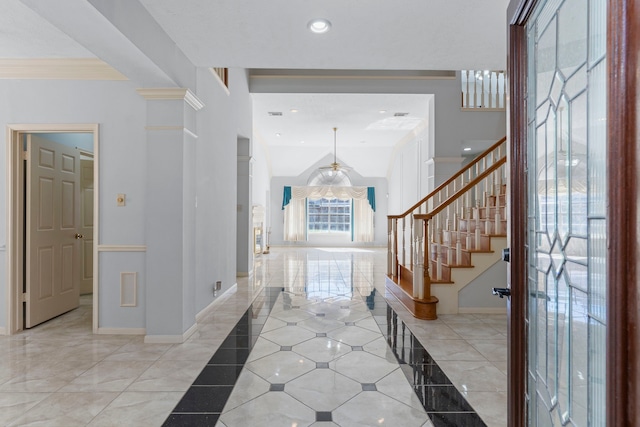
(79, 236)
(501, 292)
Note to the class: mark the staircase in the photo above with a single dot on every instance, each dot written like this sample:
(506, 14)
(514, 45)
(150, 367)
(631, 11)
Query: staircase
(447, 239)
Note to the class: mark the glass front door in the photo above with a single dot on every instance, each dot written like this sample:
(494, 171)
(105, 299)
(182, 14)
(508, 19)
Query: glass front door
(566, 227)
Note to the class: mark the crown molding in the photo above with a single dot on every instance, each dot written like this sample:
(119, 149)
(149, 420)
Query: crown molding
(169, 93)
(58, 69)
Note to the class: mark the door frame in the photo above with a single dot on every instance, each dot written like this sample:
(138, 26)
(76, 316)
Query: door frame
(15, 215)
(623, 151)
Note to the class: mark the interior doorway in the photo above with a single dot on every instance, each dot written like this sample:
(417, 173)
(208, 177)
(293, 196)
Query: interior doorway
(52, 221)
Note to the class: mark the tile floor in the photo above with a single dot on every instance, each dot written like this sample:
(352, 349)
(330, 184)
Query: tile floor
(308, 337)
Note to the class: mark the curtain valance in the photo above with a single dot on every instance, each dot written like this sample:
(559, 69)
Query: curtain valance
(312, 192)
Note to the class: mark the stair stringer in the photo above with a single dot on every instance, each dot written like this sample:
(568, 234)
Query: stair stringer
(447, 293)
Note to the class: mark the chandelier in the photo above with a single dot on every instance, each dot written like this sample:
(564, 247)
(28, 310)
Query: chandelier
(332, 175)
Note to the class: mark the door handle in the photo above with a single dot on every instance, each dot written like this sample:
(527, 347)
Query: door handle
(501, 292)
(78, 236)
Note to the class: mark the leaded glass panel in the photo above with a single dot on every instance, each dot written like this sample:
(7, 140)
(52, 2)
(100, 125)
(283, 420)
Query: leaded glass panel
(567, 204)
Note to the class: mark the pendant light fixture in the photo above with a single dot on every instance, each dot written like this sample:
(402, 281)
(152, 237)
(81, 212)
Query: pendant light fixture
(332, 175)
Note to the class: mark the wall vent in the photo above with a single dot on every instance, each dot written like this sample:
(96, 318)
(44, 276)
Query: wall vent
(400, 114)
(128, 289)
(275, 113)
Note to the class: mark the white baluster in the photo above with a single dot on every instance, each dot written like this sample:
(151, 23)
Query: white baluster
(394, 244)
(498, 228)
(418, 260)
(389, 247)
(458, 250)
(411, 241)
(404, 247)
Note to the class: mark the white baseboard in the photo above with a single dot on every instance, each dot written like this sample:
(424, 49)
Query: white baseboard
(170, 339)
(217, 301)
(482, 310)
(121, 331)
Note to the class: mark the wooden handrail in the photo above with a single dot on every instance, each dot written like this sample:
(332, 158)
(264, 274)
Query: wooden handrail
(450, 180)
(463, 190)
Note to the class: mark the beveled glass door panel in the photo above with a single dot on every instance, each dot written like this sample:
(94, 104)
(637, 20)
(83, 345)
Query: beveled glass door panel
(566, 252)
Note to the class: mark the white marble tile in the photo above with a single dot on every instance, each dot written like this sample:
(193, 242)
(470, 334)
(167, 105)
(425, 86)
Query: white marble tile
(260, 412)
(262, 348)
(320, 324)
(14, 405)
(293, 315)
(322, 349)
(108, 376)
(273, 323)
(376, 409)
(145, 409)
(434, 331)
(493, 350)
(323, 389)
(281, 367)
(477, 330)
(167, 375)
(369, 323)
(196, 351)
(491, 406)
(139, 351)
(474, 375)
(66, 409)
(289, 335)
(380, 348)
(396, 386)
(248, 387)
(452, 350)
(353, 335)
(363, 367)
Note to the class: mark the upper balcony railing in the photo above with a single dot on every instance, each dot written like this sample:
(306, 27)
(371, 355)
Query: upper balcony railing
(483, 90)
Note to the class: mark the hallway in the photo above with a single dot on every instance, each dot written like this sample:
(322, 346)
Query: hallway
(306, 324)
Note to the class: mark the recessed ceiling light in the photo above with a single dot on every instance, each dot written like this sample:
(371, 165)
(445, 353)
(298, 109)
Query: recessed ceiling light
(319, 25)
(467, 148)
(278, 135)
(382, 111)
(301, 142)
(294, 110)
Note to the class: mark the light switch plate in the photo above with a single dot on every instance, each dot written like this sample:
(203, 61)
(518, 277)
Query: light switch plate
(121, 199)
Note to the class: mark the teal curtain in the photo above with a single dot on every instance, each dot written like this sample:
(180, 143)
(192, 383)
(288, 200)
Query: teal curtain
(371, 196)
(286, 197)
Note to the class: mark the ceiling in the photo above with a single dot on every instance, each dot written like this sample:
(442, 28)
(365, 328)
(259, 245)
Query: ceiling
(257, 34)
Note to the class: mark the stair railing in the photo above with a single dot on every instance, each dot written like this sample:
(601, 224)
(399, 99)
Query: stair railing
(458, 197)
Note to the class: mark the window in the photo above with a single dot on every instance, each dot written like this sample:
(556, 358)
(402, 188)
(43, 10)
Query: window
(329, 215)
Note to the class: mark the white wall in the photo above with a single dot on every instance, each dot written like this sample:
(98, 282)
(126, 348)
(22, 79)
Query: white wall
(477, 294)
(224, 118)
(277, 214)
(120, 111)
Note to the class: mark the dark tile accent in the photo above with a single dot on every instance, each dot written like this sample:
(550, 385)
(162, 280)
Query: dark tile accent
(322, 365)
(369, 387)
(344, 307)
(324, 416)
(191, 420)
(319, 314)
(292, 323)
(235, 341)
(204, 399)
(295, 306)
(445, 405)
(321, 335)
(349, 323)
(442, 398)
(285, 348)
(218, 375)
(458, 419)
(276, 387)
(224, 356)
(357, 348)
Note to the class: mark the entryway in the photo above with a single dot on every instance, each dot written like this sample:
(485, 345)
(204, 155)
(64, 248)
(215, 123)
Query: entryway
(52, 222)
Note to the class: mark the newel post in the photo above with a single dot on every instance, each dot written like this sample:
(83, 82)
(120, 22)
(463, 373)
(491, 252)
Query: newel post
(421, 276)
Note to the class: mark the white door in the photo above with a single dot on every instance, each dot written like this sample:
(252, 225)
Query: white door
(86, 224)
(52, 260)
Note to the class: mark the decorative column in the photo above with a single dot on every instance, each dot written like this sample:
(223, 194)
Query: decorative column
(170, 210)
